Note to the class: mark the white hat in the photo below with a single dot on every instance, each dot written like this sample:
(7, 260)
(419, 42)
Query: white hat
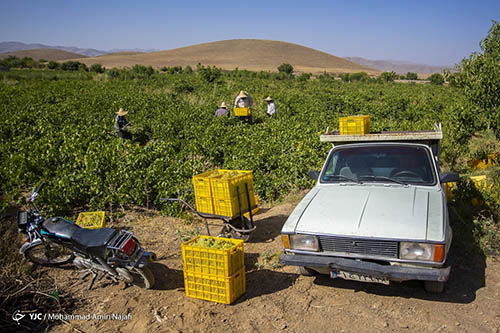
(223, 105)
(268, 99)
(242, 94)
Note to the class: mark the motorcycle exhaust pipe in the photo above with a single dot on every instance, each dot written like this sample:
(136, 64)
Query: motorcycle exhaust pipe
(108, 268)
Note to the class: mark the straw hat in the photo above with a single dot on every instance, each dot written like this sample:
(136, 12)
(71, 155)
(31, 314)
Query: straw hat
(121, 112)
(242, 94)
(223, 105)
(269, 99)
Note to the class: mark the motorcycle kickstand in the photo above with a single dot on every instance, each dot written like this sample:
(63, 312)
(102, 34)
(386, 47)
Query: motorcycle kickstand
(93, 280)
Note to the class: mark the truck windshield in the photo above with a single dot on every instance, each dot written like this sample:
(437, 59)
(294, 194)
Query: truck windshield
(380, 163)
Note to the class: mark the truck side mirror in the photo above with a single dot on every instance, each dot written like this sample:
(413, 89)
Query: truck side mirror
(449, 177)
(313, 174)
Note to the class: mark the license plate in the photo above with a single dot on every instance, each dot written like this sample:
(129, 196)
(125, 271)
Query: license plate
(359, 277)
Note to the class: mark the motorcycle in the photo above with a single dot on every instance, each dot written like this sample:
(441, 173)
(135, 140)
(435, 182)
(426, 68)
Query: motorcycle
(56, 241)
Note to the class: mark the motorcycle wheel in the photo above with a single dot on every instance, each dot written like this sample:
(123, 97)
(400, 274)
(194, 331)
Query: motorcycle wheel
(143, 277)
(49, 254)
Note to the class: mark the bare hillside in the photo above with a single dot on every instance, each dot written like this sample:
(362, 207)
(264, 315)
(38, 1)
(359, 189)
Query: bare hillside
(47, 54)
(251, 54)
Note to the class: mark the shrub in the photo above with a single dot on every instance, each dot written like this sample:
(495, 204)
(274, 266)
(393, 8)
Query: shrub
(285, 68)
(53, 65)
(436, 79)
(411, 76)
(209, 74)
(70, 65)
(304, 77)
(97, 68)
(479, 76)
(113, 73)
(388, 76)
(361, 76)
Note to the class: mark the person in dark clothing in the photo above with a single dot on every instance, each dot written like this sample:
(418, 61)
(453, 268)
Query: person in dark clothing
(222, 110)
(121, 124)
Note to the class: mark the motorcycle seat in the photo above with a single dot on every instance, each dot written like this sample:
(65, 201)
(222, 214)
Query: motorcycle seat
(60, 227)
(92, 240)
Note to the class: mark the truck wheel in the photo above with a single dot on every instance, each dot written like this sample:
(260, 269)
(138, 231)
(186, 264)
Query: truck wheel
(306, 271)
(434, 287)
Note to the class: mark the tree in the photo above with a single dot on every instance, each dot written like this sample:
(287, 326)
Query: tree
(436, 79)
(53, 65)
(304, 77)
(285, 68)
(411, 76)
(388, 76)
(70, 65)
(479, 77)
(97, 68)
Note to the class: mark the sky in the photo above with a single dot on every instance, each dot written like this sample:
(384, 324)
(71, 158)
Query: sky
(438, 32)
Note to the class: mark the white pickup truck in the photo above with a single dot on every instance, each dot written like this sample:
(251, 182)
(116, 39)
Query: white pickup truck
(378, 212)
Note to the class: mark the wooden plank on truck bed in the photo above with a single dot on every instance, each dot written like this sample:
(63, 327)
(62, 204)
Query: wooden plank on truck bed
(408, 136)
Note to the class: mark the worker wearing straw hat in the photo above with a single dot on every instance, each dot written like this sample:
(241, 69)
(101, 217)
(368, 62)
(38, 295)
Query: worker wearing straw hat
(222, 110)
(121, 123)
(243, 100)
(271, 107)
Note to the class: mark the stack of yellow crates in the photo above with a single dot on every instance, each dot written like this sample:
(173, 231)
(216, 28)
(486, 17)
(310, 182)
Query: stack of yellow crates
(216, 192)
(216, 275)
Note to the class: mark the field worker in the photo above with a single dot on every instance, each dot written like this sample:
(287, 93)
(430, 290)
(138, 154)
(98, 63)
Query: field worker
(243, 100)
(271, 107)
(121, 124)
(222, 110)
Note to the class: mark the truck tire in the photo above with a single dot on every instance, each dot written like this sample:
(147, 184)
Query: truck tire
(306, 271)
(434, 287)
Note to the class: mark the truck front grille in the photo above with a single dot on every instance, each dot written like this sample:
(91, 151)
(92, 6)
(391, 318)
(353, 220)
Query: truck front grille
(359, 246)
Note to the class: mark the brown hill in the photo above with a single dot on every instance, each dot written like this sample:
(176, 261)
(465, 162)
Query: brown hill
(251, 54)
(47, 54)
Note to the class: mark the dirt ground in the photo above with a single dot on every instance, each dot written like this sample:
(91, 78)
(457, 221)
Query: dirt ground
(277, 298)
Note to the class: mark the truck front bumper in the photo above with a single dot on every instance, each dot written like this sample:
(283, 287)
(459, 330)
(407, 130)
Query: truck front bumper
(391, 272)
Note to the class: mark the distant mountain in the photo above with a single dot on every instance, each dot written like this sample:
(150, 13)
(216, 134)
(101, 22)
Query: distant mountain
(400, 67)
(47, 54)
(18, 46)
(250, 54)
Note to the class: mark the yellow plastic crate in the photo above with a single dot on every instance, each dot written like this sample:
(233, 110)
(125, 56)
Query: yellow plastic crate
(255, 210)
(241, 112)
(448, 189)
(354, 125)
(201, 184)
(213, 262)
(230, 207)
(215, 288)
(91, 220)
(204, 204)
(224, 186)
(479, 181)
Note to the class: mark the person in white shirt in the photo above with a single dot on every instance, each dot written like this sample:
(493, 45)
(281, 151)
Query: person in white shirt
(271, 107)
(243, 100)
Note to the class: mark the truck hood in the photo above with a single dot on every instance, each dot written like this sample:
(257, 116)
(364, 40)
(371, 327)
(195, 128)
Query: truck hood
(382, 211)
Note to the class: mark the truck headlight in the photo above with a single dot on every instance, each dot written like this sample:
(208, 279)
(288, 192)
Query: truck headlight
(416, 251)
(304, 242)
(422, 251)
